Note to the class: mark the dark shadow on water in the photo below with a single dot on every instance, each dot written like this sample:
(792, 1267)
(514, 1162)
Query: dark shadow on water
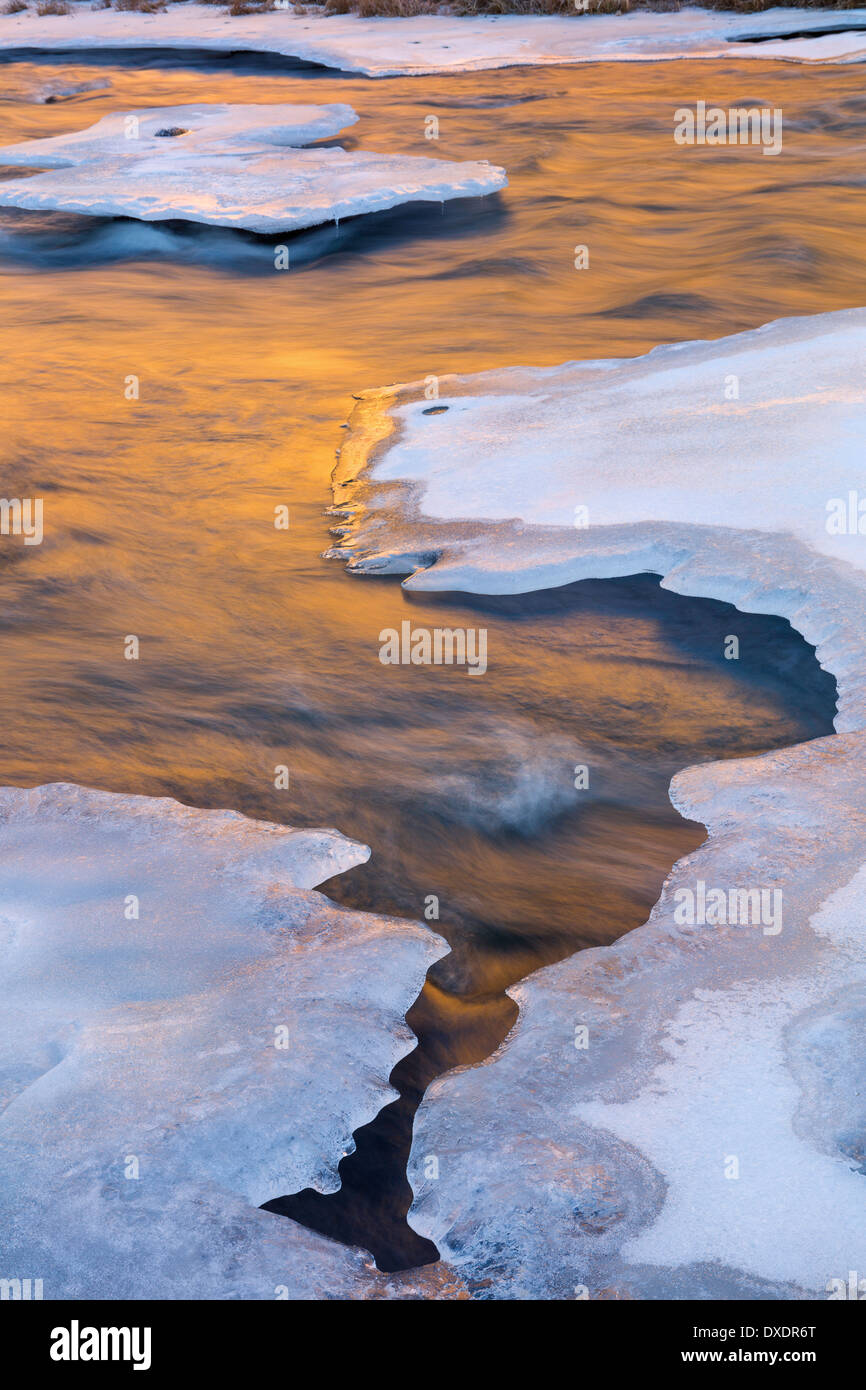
(241, 62)
(824, 32)
(66, 241)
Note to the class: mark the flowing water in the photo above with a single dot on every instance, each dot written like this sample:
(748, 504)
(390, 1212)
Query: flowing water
(254, 651)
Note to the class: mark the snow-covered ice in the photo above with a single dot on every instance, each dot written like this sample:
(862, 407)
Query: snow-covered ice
(229, 166)
(723, 453)
(643, 422)
(710, 1138)
(187, 1030)
(383, 47)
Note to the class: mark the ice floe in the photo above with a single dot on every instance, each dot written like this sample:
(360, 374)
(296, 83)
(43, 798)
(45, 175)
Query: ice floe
(228, 166)
(724, 453)
(187, 1030)
(383, 47)
(678, 1115)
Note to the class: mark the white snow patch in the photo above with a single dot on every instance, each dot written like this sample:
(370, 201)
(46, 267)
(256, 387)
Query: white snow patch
(228, 166)
(787, 1211)
(622, 438)
(382, 47)
(147, 1104)
(728, 1093)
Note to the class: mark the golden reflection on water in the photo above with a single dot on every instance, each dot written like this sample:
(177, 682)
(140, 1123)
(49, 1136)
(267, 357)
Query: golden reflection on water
(255, 651)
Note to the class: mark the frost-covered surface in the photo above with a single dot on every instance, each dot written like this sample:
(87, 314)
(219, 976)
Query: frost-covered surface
(441, 43)
(666, 470)
(147, 1107)
(710, 1140)
(619, 436)
(228, 166)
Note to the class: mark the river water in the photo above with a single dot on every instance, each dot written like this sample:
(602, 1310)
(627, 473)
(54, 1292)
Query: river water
(254, 651)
